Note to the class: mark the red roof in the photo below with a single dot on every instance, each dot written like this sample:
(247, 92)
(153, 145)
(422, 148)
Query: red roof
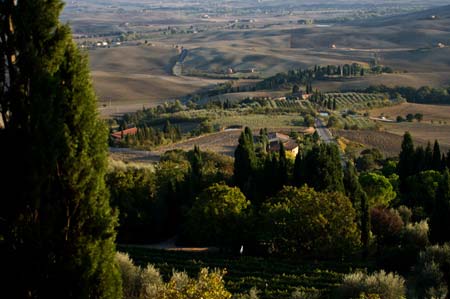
(119, 134)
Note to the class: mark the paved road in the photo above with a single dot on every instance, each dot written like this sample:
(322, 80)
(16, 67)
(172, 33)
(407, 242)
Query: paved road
(328, 138)
(323, 132)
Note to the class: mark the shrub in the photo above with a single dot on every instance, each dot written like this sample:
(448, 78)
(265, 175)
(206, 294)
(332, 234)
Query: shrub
(416, 234)
(433, 272)
(363, 285)
(147, 283)
(311, 294)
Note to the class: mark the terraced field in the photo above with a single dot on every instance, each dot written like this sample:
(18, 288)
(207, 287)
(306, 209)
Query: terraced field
(275, 278)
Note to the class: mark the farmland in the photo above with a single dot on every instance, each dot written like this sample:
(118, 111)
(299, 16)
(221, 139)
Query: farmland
(431, 113)
(356, 101)
(275, 278)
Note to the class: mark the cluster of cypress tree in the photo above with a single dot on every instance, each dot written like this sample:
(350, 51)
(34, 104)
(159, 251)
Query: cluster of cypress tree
(57, 229)
(306, 76)
(414, 161)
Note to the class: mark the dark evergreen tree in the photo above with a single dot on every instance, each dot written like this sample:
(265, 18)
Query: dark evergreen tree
(334, 104)
(297, 172)
(57, 227)
(419, 160)
(282, 167)
(244, 159)
(365, 221)
(436, 160)
(428, 157)
(440, 220)
(405, 167)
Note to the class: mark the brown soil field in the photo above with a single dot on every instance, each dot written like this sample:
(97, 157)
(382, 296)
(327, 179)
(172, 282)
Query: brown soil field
(430, 113)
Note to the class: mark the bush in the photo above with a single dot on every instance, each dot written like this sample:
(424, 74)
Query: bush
(363, 285)
(311, 294)
(433, 272)
(147, 283)
(416, 235)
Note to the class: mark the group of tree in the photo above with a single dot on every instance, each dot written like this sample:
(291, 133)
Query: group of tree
(306, 76)
(423, 95)
(410, 117)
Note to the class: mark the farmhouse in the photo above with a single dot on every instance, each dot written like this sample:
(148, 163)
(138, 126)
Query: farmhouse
(121, 134)
(275, 139)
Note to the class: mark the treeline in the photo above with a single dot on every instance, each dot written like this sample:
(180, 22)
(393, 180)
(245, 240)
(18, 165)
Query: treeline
(310, 205)
(423, 95)
(306, 76)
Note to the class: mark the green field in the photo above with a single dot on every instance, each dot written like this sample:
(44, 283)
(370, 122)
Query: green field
(275, 278)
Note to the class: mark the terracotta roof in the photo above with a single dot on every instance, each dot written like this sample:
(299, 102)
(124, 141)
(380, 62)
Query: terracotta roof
(119, 134)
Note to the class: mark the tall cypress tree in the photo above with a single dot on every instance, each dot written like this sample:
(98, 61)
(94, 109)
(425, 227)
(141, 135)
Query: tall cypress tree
(282, 167)
(57, 226)
(436, 162)
(244, 159)
(405, 167)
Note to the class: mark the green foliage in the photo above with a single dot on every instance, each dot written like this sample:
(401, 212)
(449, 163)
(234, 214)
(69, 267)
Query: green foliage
(305, 222)
(363, 285)
(58, 222)
(217, 216)
(378, 189)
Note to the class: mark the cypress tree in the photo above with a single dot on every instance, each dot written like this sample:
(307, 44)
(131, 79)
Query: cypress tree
(436, 162)
(405, 167)
(428, 157)
(297, 172)
(57, 227)
(282, 167)
(359, 199)
(244, 159)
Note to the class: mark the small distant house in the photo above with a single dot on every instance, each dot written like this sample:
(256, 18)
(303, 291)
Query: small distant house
(121, 134)
(440, 45)
(333, 46)
(230, 71)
